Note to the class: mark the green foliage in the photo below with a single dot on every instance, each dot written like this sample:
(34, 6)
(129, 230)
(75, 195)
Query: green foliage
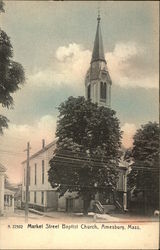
(11, 75)
(145, 155)
(88, 149)
(1, 6)
(3, 123)
(90, 126)
(146, 145)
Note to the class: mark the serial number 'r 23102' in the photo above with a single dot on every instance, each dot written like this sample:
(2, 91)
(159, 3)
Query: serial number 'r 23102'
(15, 226)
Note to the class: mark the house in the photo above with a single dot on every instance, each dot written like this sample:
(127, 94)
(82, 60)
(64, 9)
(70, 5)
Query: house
(8, 201)
(2, 179)
(6, 195)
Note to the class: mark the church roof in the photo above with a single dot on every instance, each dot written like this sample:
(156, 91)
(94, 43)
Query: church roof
(53, 143)
(98, 51)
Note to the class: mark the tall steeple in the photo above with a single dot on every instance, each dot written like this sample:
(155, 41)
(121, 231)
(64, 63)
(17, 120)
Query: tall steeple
(98, 81)
(98, 52)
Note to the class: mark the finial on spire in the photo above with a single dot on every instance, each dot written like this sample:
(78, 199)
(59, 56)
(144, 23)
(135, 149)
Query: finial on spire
(98, 52)
(99, 17)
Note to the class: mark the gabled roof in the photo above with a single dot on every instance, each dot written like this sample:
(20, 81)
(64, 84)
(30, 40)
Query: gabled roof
(2, 168)
(42, 150)
(98, 52)
(9, 192)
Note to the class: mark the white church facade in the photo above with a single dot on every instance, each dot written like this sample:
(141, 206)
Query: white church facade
(41, 195)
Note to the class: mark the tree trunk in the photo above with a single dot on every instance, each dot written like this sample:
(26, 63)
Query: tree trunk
(86, 203)
(145, 202)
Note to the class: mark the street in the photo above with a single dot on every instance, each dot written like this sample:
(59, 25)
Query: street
(57, 230)
(62, 217)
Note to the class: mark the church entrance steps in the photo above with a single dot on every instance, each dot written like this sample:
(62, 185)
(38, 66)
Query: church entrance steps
(109, 208)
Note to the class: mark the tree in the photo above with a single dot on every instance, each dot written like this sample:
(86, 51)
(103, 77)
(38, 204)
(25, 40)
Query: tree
(11, 74)
(88, 150)
(1, 6)
(144, 176)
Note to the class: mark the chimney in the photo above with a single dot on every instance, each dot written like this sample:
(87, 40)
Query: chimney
(43, 143)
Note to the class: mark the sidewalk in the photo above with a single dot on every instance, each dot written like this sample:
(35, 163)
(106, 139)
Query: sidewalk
(63, 217)
(92, 217)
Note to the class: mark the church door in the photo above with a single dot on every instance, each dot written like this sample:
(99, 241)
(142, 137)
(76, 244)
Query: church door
(69, 205)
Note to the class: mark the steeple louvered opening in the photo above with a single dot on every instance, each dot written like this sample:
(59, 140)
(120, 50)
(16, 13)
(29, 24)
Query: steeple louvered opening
(103, 90)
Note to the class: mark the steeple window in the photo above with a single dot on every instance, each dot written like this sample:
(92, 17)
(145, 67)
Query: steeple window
(89, 92)
(103, 90)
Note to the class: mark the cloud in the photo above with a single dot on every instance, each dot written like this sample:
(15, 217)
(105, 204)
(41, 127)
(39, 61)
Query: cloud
(129, 130)
(68, 68)
(42, 129)
(15, 141)
(129, 66)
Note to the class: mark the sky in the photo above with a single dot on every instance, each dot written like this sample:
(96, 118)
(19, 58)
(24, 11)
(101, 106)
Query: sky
(54, 41)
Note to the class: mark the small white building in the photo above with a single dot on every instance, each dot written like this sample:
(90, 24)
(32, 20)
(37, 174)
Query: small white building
(6, 195)
(8, 201)
(2, 178)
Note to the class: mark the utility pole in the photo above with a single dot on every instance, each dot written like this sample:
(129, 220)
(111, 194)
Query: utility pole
(27, 183)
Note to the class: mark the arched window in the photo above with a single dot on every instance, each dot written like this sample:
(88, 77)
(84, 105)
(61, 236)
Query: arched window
(89, 92)
(103, 90)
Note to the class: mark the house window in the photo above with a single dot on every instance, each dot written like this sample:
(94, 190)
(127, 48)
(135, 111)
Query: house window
(103, 89)
(42, 197)
(89, 92)
(10, 200)
(35, 197)
(35, 174)
(42, 171)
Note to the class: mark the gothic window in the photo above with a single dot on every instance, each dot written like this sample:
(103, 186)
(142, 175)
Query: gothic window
(42, 171)
(35, 197)
(42, 197)
(35, 174)
(89, 92)
(103, 91)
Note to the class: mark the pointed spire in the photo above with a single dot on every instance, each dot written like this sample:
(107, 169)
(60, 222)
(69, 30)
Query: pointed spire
(98, 52)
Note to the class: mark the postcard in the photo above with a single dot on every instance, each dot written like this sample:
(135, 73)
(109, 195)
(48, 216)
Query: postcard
(79, 132)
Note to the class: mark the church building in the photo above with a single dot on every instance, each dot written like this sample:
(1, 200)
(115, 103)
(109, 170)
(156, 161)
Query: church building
(41, 195)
